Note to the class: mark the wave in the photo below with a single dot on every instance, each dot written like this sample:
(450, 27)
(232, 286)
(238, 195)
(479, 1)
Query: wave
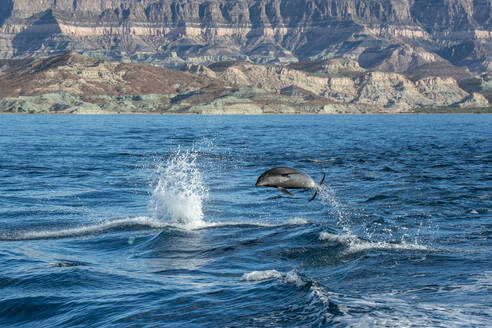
(355, 245)
(365, 310)
(290, 277)
(261, 275)
(137, 222)
(316, 293)
(225, 224)
(140, 223)
(350, 310)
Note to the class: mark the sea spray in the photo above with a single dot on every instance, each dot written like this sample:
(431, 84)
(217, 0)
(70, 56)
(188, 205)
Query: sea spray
(178, 191)
(328, 197)
(355, 227)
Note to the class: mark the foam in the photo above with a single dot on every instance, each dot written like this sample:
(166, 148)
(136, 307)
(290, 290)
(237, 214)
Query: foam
(296, 221)
(403, 314)
(355, 244)
(316, 292)
(290, 222)
(290, 277)
(141, 222)
(261, 275)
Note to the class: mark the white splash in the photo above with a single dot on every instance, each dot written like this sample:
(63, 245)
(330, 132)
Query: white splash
(328, 196)
(355, 244)
(179, 191)
(261, 275)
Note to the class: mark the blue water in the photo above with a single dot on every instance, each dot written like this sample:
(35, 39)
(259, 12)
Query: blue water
(154, 221)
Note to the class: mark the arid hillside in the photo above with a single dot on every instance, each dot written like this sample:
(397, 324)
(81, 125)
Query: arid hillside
(72, 83)
(82, 76)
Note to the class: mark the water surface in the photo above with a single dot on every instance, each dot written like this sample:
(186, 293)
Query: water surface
(149, 221)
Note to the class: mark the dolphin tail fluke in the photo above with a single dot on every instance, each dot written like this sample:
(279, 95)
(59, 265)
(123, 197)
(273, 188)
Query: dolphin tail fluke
(318, 188)
(314, 196)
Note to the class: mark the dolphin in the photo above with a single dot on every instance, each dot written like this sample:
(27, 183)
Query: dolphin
(285, 178)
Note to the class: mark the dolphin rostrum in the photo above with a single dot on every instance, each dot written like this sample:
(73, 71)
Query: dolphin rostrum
(285, 178)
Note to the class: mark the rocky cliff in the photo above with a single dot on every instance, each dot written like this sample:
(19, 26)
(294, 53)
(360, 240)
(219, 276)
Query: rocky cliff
(342, 80)
(434, 37)
(72, 83)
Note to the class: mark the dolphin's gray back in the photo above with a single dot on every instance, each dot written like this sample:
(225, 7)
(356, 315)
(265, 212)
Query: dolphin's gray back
(286, 177)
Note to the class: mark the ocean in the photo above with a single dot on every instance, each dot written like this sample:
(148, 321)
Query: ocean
(155, 221)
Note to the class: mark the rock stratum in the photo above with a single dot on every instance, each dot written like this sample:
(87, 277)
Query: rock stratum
(72, 83)
(402, 36)
(306, 55)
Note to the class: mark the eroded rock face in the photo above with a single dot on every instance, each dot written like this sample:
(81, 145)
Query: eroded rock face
(343, 82)
(170, 32)
(72, 83)
(410, 60)
(78, 75)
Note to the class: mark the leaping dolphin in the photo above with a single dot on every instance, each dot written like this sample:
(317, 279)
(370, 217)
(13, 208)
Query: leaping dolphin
(285, 178)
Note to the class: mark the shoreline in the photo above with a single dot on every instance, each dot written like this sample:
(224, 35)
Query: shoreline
(250, 114)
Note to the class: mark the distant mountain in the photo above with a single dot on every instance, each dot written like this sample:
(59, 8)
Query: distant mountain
(82, 76)
(420, 37)
(72, 83)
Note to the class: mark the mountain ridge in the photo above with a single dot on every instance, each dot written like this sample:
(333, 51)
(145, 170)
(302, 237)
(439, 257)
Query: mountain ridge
(266, 55)
(171, 33)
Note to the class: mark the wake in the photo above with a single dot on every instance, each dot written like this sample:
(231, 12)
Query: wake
(137, 223)
(133, 224)
(354, 244)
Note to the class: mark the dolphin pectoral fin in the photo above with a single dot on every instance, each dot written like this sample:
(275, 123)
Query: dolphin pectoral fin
(314, 196)
(285, 191)
(322, 179)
